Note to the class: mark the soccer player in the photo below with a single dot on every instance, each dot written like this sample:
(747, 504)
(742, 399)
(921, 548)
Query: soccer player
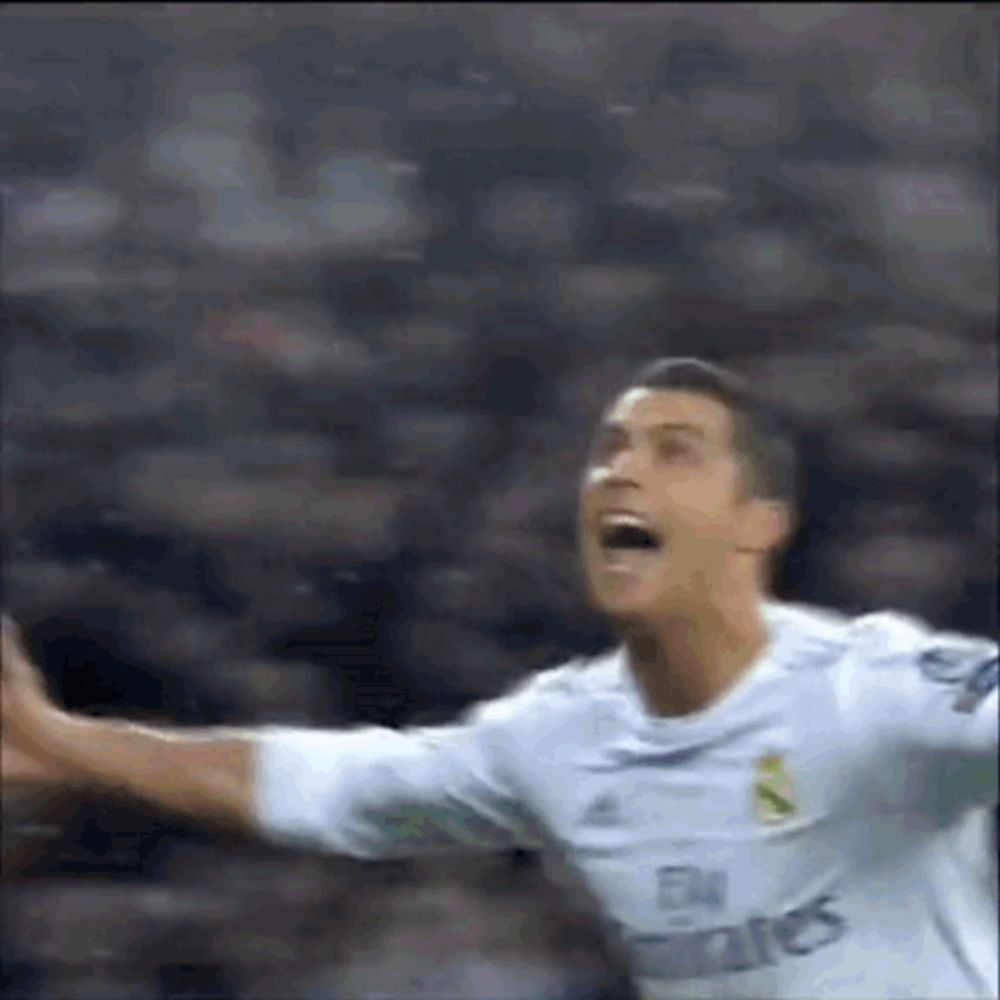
(766, 799)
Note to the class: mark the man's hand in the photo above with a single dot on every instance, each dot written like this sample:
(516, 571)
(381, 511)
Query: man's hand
(30, 717)
(204, 774)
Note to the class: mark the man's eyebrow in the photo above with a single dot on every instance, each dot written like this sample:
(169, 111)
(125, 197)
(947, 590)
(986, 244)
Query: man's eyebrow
(614, 427)
(690, 428)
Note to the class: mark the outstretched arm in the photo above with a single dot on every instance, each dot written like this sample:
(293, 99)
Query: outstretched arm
(367, 792)
(205, 775)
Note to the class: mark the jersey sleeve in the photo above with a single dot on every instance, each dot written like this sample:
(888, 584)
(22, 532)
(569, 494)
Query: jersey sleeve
(372, 792)
(932, 709)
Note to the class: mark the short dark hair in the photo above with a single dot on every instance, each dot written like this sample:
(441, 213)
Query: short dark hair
(761, 436)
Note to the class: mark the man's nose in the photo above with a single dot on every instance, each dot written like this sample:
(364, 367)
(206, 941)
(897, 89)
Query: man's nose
(619, 472)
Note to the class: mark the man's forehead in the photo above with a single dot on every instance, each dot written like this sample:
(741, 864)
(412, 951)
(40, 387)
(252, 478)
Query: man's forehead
(678, 408)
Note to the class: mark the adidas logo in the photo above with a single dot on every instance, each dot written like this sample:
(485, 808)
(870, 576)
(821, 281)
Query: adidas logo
(603, 811)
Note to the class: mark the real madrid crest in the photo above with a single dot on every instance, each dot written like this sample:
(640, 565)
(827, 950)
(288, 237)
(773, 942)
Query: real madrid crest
(774, 795)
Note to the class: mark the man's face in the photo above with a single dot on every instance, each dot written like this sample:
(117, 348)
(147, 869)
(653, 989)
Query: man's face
(662, 505)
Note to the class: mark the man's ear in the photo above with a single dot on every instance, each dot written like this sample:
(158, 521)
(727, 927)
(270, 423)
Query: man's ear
(767, 526)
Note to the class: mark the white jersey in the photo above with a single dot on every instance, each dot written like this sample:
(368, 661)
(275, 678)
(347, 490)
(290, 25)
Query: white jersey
(824, 829)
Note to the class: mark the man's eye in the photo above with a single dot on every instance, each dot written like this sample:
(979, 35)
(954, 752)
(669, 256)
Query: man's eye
(674, 450)
(605, 447)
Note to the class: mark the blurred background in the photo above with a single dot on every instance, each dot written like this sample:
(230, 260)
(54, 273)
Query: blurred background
(308, 312)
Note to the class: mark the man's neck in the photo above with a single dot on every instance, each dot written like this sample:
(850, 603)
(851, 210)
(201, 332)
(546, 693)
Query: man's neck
(685, 662)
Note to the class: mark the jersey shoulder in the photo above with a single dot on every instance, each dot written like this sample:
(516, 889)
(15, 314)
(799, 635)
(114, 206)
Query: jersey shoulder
(893, 637)
(553, 690)
(813, 637)
(808, 637)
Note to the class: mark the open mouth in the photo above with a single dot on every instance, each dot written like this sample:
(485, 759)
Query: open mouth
(629, 538)
(630, 555)
(627, 541)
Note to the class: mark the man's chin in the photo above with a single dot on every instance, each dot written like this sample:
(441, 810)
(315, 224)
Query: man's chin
(624, 605)
(628, 587)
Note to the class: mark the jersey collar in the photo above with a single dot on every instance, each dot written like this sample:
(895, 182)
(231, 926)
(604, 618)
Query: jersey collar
(740, 705)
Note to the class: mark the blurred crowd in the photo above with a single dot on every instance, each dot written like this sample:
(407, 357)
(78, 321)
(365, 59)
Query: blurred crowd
(308, 312)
